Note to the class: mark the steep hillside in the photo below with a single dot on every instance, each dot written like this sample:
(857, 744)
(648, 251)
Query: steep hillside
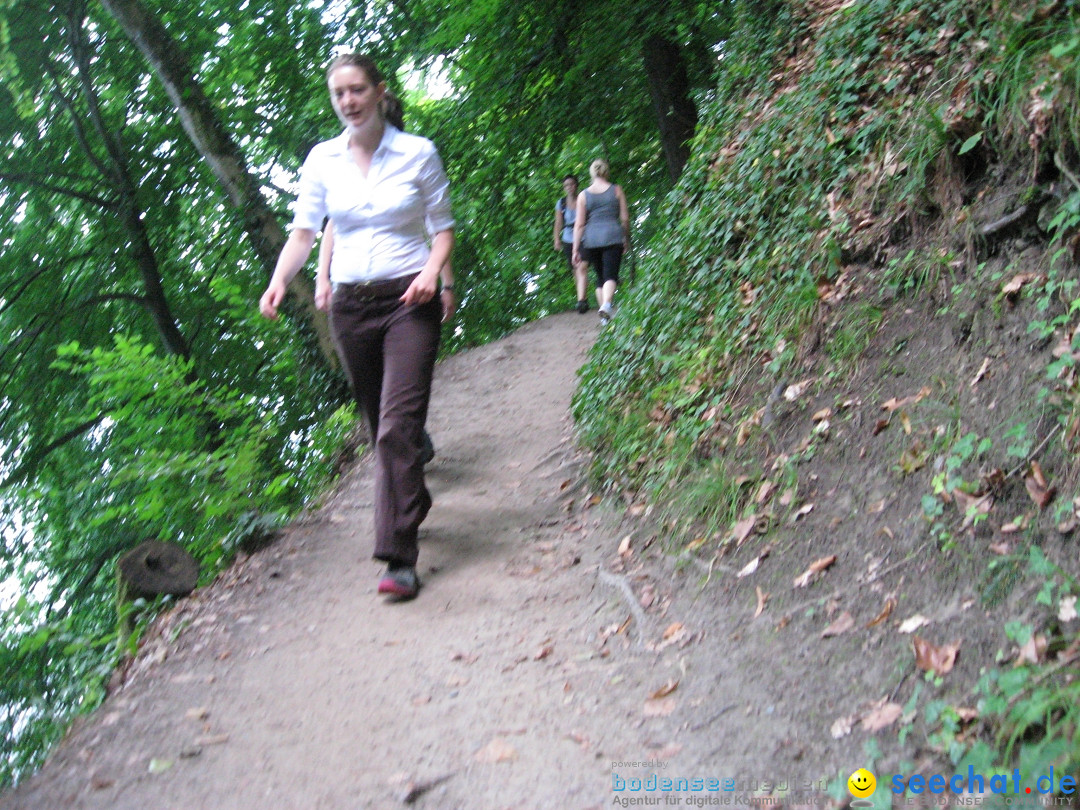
(854, 352)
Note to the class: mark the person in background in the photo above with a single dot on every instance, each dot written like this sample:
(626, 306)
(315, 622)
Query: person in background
(565, 213)
(387, 194)
(602, 233)
(394, 114)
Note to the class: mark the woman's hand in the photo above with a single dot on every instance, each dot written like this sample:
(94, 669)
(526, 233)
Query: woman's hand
(421, 290)
(449, 304)
(271, 299)
(324, 293)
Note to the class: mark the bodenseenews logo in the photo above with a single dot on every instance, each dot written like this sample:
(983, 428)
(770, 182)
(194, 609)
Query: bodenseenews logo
(665, 785)
(999, 784)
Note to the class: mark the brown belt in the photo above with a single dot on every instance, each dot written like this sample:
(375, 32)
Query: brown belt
(368, 290)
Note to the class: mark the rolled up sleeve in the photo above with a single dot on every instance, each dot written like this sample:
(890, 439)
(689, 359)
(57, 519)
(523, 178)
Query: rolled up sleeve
(435, 190)
(309, 210)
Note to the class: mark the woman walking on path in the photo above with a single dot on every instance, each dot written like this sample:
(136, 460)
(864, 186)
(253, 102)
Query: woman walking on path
(565, 214)
(602, 233)
(387, 194)
(394, 114)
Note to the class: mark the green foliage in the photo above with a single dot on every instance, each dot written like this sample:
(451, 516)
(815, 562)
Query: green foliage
(1033, 710)
(171, 409)
(785, 161)
(751, 215)
(176, 460)
(52, 668)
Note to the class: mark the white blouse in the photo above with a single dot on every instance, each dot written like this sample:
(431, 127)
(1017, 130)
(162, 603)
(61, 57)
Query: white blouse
(382, 222)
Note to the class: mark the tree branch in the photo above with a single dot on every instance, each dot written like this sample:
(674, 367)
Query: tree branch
(33, 180)
(30, 464)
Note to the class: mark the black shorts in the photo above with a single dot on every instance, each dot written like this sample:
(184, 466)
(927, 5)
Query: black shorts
(606, 261)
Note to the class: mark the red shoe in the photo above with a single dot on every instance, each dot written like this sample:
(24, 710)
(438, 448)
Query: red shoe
(400, 583)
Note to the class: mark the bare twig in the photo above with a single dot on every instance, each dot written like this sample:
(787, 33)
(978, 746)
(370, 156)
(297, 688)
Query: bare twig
(714, 718)
(1001, 224)
(414, 790)
(1036, 451)
(1060, 163)
(856, 585)
(621, 585)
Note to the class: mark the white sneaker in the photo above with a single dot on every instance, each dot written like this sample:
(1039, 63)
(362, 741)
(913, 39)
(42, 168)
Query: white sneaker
(605, 313)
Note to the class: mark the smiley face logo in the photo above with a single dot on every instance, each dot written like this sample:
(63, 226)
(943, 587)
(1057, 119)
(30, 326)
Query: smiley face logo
(862, 783)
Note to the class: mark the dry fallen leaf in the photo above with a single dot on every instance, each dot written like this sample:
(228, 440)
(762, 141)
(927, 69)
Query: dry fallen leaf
(660, 707)
(883, 715)
(545, 650)
(816, 567)
(1016, 283)
(966, 714)
(98, 782)
(844, 622)
(664, 690)
(913, 458)
(624, 547)
(752, 566)
(841, 727)
(674, 630)
(939, 660)
(749, 568)
(895, 404)
(648, 596)
(821, 415)
(1041, 496)
(905, 423)
(886, 612)
(1017, 525)
(1032, 651)
(1037, 473)
(743, 529)
(498, 750)
(1067, 609)
(212, 739)
(981, 372)
(910, 625)
(764, 491)
(803, 510)
(793, 392)
(762, 598)
(971, 506)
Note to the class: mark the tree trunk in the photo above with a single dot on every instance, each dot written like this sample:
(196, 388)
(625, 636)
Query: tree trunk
(201, 122)
(669, 87)
(115, 171)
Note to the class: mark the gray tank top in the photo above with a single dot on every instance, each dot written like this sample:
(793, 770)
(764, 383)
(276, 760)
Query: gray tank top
(602, 226)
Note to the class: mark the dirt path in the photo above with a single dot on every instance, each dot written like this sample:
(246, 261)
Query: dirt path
(517, 679)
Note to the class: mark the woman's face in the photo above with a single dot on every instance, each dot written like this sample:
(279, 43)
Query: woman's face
(354, 98)
(570, 187)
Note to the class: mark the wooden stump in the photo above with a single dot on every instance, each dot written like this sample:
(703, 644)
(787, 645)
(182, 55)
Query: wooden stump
(156, 568)
(151, 569)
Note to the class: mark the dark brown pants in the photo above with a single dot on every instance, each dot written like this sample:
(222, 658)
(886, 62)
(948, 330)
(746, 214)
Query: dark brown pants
(388, 351)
